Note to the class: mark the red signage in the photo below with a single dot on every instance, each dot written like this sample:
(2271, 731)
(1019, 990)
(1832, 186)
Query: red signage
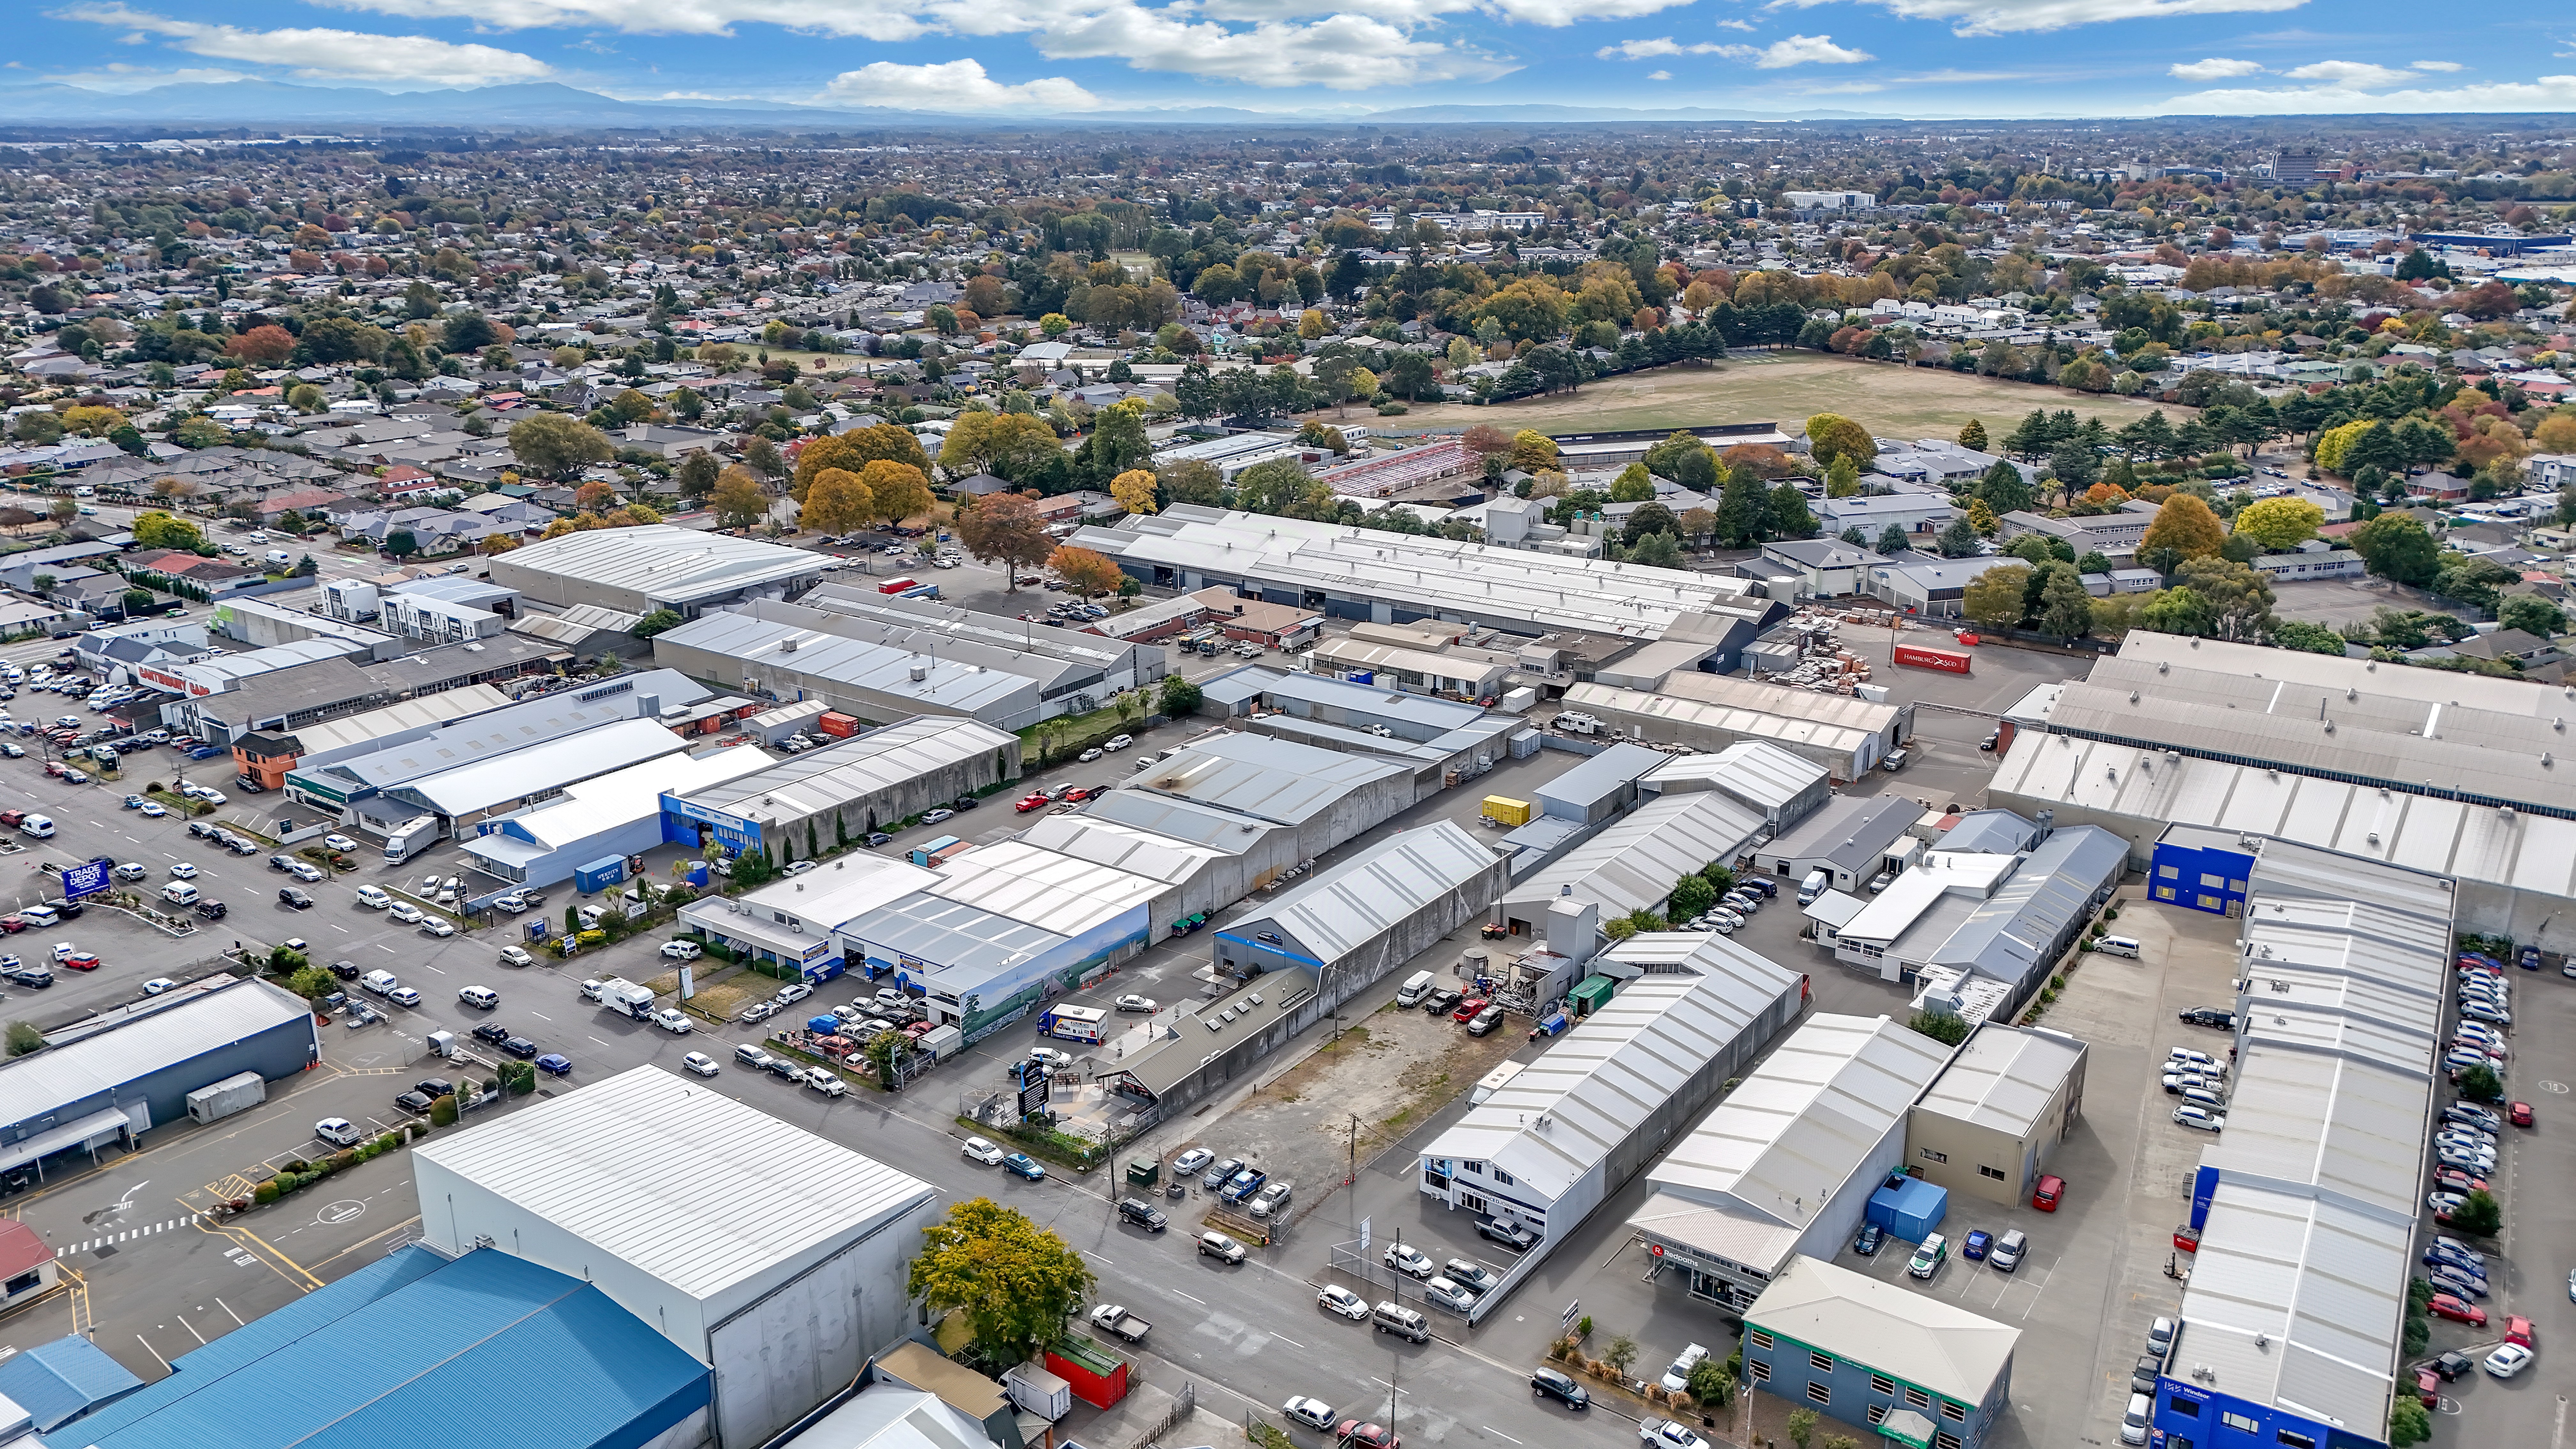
(1926, 656)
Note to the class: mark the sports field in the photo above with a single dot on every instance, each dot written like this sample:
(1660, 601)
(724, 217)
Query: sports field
(1787, 388)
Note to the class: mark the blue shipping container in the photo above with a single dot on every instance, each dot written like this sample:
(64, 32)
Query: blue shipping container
(1363, 676)
(600, 874)
(1912, 1209)
(920, 855)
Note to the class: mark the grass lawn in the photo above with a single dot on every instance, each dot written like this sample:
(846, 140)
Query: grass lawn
(1788, 388)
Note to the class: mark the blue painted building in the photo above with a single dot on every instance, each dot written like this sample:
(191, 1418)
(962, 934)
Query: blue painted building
(1900, 1364)
(2201, 869)
(55, 1383)
(411, 1351)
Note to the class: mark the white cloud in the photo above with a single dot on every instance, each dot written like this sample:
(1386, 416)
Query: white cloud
(2440, 65)
(957, 85)
(1808, 50)
(2348, 74)
(118, 77)
(2004, 17)
(1747, 26)
(1567, 12)
(328, 54)
(1665, 45)
(2543, 93)
(1659, 75)
(2215, 68)
(1339, 52)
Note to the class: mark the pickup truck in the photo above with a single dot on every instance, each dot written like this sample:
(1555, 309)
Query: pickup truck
(1114, 1318)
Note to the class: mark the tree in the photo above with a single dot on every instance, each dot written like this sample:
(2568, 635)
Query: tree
(2065, 609)
(2175, 611)
(2409, 1422)
(1632, 485)
(1994, 598)
(2308, 638)
(855, 449)
(1015, 1281)
(1831, 436)
(2532, 615)
(1947, 1028)
(2394, 546)
(660, 621)
(24, 1037)
(896, 491)
(1648, 519)
(1685, 460)
(1007, 445)
(401, 543)
(1743, 509)
(1135, 490)
(2276, 524)
(1842, 478)
(1083, 571)
(156, 529)
(1657, 550)
(552, 445)
(1692, 895)
(2480, 1084)
(1533, 452)
(737, 500)
(2185, 525)
(2478, 1216)
(1802, 1427)
(696, 474)
(2003, 488)
(2240, 599)
(1005, 527)
(838, 502)
(1959, 540)
(1789, 515)
(1180, 698)
(2076, 465)
(266, 345)
(1973, 436)
(1982, 519)
(1893, 539)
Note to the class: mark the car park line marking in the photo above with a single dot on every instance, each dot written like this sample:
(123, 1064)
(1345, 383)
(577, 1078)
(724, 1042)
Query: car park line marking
(602, 1043)
(192, 1328)
(228, 1308)
(388, 950)
(156, 1353)
(541, 1016)
(343, 930)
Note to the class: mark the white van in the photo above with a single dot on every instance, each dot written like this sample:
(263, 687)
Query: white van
(40, 915)
(1818, 881)
(374, 897)
(279, 557)
(2116, 946)
(1416, 987)
(39, 826)
(179, 893)
(379, 982)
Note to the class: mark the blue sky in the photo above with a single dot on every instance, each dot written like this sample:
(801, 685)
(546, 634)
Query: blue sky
(1998, 58)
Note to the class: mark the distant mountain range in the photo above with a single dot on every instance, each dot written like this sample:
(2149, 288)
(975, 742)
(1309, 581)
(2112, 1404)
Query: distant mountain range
(541, 105)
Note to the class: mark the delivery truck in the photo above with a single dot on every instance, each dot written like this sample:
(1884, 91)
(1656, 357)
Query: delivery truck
(410, 838)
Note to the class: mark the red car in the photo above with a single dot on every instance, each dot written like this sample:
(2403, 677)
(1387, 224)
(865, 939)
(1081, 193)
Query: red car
(2446, 1306)
(1468, 1008)
(1079, 793)
(12, 924)
(1366, 1436)
(2452, 1179)
(2520, 1114)
(1027, 803)
(81, 961)
(2046, 1192)
(2428, 1388)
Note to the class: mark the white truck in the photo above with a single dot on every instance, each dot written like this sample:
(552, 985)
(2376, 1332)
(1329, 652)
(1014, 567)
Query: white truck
(625, 996)
(1114, 1318)
(410, 838)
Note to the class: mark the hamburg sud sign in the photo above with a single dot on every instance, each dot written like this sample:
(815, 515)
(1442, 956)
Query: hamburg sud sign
(87, 878)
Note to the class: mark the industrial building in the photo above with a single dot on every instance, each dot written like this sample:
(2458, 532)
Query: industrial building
(1417, 671)
(2293, 1322)
(117, 1075)
(619, 813)
(1571, 1128)
(51, 1384)
(789, 660)
(1442, 741)
(1989, 1125)
(1851, 840)
(639, 570)
(796, 922)
(1596, 790)
(270, 757)
(1780, 787)
(1844, 733)
(1889, 1361)
(776, 1259)
(2006, 917)
(1784, 1167)
(1634, 864)
(1234, 617)
(1354, 573)
(802, 805)
(1361, 919)
(1064, 661)
(998, 927)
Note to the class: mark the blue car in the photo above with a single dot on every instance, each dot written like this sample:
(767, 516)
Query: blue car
(1244, 1184)
(204, 752)
(1867, 1243)
(1020, 1164)
(1978, 1241)
(555, 1064)
(135, 802)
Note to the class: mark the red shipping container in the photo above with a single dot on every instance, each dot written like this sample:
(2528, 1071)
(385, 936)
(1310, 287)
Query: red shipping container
(838, 726)
(1926, 656)
(1097, 1377)
(897, 586)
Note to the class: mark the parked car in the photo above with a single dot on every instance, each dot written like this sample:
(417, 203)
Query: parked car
(1409, 1260)
(1871, 1235)
(2445, 1305)
(1548, 1383)
(1927, 1256)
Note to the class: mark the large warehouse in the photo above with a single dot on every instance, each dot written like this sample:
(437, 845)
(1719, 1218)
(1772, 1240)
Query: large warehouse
(2424, 768)
(116, 1076)
(385, 1357)
(1571, 1128)
(796, 922)
(1989, 1127)
(1634, 864)
(2006, 917)
(1368, 915)
(801, 805)
(619, 813)
(772, 1256)
(1785, 1165)
(639, 570)
(793, 661)
(1845, 734)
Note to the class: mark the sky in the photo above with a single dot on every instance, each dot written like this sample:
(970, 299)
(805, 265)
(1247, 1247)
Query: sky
(1915, 58)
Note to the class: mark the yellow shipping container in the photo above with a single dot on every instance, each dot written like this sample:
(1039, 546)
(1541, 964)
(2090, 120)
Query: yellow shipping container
(1508, 810)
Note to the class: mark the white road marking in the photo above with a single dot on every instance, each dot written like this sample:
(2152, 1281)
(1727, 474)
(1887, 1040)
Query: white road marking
(541, 1016)
(156, 1353)
(1283, 1338)
(1499, 1434)
(228, 1308)
(388, 950)
(1177, 1293)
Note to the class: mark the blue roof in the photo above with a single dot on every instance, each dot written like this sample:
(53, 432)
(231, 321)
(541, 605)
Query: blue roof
(59, 1381)
(401, 1352)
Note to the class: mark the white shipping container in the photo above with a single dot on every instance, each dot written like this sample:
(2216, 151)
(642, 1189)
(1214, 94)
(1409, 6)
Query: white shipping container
(222, 1099)
(1038, 1391)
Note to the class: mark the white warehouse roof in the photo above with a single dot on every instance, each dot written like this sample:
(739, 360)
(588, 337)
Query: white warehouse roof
(821, 780)
(667, 564)
(1634, 863)
(1351, 904)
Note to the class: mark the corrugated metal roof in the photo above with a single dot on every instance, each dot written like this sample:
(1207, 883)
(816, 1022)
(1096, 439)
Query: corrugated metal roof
(663, 562)
(1632, 705)
(1794, 1132)
(746, 643)
(156, 1034)
(470, 789)
(2009, 934)
(1565, 1112)
(1754, 771)
(1023, 882)
(1261, 778)
(1124, 847)
(2321, 1284)
(61, 1380)
(1847, 710)
(1351, 903)
(1912, 1336)
(398, 1359)
(1601, 776)
(598, 1163)
(624, 797)
(2003, 1077)
(851, 769)
(1634, 862)
(530, 722)
(409, 714)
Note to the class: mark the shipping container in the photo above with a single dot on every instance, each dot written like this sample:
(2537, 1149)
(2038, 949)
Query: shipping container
(1507, 810)
(920, 591)
(600, 874)
(1909, 1208)
(1929, 656)
(921, 854)
(839, 726)
(1098, 1377)
(1038, 1391)
(224, 1098)
(897, 586)
(950, 852)
(941, 1042)
(1073, 1023)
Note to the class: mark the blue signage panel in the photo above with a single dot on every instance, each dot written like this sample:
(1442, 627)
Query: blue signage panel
(86, 879)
